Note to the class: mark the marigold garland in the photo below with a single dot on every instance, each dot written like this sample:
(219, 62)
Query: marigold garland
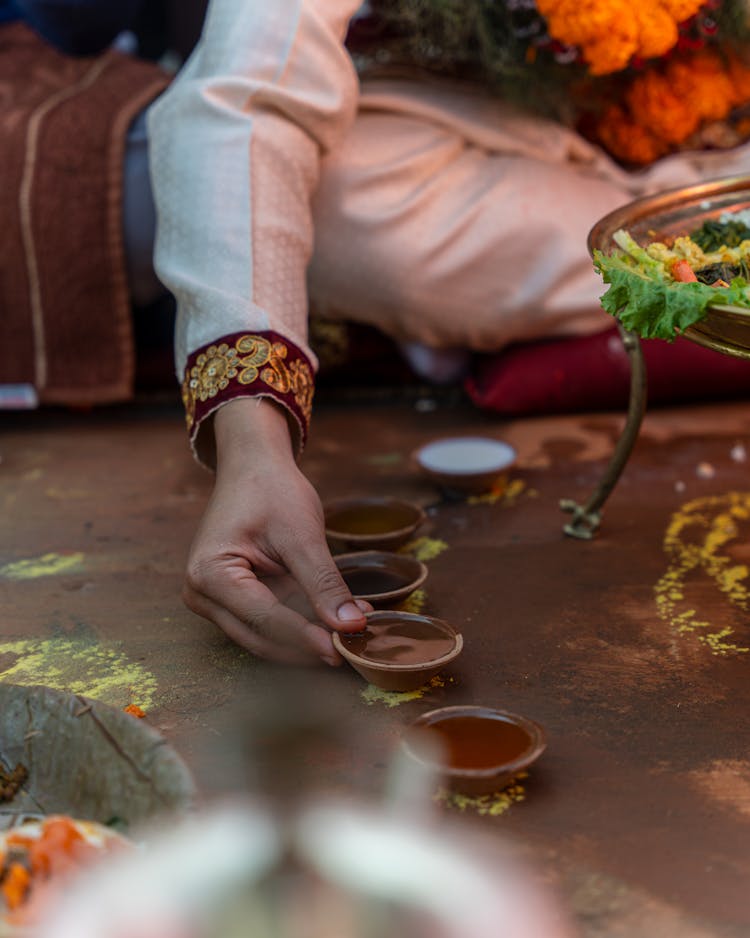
(609, 35)
(662, 109)
(640, 77)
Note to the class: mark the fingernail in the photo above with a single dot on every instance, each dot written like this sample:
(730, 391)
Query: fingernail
(349, 612)
(332, 662)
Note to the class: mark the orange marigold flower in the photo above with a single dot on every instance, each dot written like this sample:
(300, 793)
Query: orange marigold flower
(626, 140)
(605, 33)
(610, 54)
(653, 103)
(681, 10)
(608, 35)
(657, 31)
(703, 80)
(579, 22)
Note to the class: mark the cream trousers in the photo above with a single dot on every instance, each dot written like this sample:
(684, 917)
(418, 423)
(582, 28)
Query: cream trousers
(447, 218)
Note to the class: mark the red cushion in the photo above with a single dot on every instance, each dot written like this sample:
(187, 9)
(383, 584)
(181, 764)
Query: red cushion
(593, 373)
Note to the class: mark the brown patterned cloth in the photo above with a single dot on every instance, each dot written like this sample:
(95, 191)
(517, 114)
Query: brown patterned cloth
(65, 318)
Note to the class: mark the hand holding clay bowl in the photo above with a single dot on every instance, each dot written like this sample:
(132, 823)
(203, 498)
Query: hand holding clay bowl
(380, 577)
(370, 523)
(471, 464)
(477, 750)
(400, 651)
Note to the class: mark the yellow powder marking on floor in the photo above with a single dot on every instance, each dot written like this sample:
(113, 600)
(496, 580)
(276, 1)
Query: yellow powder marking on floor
(65, 495)
(46, 565)
(424, 548)
(414, 603)
(492, 805)
(391, 698)
(95, 670)
(505, 494)
(694, 542)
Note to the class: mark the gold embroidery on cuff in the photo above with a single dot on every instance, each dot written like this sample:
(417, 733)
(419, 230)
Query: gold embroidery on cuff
(252, 358)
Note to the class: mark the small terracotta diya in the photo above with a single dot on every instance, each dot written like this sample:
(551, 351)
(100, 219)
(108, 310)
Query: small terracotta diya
(381, 577)
(400, 651)
(477, 750)
(467, 463)
(371, 523)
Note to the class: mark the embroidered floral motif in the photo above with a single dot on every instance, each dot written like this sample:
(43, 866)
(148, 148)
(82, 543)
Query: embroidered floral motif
(251, 359)
(212, 371)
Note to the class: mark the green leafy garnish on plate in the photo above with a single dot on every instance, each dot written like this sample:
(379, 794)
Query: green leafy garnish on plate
(644, 296)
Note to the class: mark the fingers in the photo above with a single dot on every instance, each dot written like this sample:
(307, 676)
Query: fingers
(313, 568)
(248, 612)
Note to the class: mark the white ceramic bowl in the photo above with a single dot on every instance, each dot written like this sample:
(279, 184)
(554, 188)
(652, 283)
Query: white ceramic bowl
(467, 463)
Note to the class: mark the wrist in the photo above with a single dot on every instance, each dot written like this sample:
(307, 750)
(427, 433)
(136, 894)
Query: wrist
(253, 428)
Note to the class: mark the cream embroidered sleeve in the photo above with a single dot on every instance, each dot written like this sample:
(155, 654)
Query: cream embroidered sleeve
(235, 147)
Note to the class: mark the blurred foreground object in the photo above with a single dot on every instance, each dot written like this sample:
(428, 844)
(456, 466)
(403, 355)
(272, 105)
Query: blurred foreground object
(332, 870)
(297, 855)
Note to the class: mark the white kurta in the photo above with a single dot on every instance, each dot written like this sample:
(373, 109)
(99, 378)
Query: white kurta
(235, 150)
(440, 215)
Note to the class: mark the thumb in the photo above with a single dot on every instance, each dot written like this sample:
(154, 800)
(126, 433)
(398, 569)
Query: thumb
(314, 569)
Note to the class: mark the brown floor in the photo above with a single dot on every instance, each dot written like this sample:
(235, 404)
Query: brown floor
(633, 656)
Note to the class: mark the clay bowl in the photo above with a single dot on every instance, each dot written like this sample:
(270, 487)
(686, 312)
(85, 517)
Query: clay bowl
(476, 750)
(381, 577)
(472, 464)
(400, 651)
(370, 523)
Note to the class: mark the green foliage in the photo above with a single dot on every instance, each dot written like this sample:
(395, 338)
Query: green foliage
(713, 235)
(733, 22)
(654, 308)
(482, 40)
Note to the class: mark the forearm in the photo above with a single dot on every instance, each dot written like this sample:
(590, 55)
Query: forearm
(235, 149)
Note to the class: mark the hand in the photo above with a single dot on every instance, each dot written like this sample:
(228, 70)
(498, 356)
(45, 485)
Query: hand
(265, 519)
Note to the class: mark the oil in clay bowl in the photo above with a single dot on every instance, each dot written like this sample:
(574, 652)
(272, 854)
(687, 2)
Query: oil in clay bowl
(381, 577)
(370, 523)
(467, 464)
(476, 750)
(400, 651)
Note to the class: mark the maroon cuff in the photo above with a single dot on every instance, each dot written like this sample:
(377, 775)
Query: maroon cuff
(246, 365)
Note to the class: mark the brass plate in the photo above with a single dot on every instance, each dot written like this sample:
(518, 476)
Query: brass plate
(678, 212)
